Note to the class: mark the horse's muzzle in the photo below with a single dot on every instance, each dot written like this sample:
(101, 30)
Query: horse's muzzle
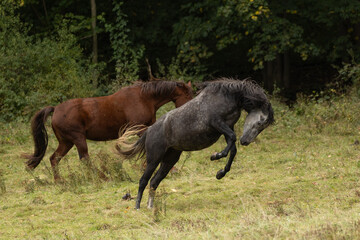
(244, 143)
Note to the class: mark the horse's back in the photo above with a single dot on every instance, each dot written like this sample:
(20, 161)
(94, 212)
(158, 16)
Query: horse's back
(187, 128)
(92, 117)
(101, 118)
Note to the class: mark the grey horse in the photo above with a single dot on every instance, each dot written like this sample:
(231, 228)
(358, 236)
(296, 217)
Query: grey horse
(197, 125)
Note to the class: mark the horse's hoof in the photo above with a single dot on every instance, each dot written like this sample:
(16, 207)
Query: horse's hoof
(214, 156)
(220, 174)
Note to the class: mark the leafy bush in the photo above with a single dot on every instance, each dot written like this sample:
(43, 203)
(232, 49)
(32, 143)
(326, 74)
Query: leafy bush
(338, 111)
(37, 72)
(350, 72)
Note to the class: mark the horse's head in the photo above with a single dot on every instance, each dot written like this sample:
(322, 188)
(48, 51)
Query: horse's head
(257, 120)
(182, 94)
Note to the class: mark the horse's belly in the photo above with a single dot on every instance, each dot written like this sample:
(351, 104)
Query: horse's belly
(196, 142)
(99, 134)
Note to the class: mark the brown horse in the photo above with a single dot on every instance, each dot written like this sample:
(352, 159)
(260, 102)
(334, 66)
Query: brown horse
(101, 118)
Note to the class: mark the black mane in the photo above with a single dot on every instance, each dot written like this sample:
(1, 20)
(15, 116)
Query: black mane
(246, 91)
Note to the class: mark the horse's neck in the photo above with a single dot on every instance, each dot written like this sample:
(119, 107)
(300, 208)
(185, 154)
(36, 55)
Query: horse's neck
(160, 101)
(156, 101)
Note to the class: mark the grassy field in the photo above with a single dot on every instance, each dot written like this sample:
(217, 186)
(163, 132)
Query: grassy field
(299, 180)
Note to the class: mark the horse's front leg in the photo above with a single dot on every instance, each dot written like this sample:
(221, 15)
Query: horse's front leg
(230, 138)
(221, 173)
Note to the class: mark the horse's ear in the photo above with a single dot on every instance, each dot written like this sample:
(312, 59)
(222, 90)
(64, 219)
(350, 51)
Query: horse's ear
(189, 84)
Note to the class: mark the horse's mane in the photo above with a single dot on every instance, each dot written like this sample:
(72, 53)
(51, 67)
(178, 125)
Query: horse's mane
(158, 87)
(247, 92)
(246, 88)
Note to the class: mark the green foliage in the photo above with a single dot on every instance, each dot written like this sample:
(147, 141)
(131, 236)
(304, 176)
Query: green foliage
(38, 72)
(45, 61)
(178, 72)
(192, 35)
(350, 72)
(125, 54)
(266, 29)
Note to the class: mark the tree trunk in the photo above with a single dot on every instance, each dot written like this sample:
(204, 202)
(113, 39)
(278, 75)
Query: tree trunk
(93, 27)
(95, 42)
(286, 71)
(268, 76)
(277, 73)
(357, 33)
(45, 11)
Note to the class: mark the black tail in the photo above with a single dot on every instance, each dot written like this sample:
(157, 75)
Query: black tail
(133, 149)
(40, 137)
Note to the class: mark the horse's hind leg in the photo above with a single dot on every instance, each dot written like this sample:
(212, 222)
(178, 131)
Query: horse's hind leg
(55, 158)
(150, 168)
(153, 158)
(170, 159)
(82, 148)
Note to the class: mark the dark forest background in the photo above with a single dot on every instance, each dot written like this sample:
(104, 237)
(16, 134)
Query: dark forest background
(51, 51)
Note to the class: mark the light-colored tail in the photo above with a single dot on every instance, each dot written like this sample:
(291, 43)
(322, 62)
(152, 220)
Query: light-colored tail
(124, 145)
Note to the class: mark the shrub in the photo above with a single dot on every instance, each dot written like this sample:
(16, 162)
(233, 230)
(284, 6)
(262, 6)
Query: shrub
(37, 72)
(350, 72)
